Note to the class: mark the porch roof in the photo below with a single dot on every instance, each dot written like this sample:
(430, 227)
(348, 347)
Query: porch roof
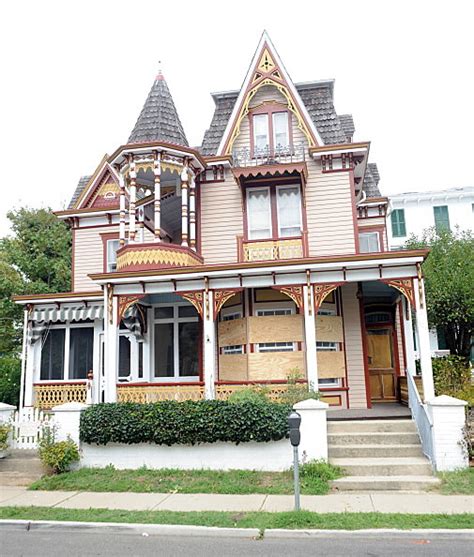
(341, 269)
(59, 297)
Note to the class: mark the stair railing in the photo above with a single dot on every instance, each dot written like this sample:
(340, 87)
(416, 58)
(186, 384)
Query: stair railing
(419, 413)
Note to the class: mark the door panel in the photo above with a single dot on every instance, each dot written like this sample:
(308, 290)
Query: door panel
(380, 356)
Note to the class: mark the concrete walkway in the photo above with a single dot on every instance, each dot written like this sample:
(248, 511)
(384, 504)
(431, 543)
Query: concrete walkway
(413, 503)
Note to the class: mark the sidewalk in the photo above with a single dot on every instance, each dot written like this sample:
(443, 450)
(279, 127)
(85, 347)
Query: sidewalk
(410, 503)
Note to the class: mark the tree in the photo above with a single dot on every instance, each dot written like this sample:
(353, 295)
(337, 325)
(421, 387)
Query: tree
(35, 259)
(449, 283)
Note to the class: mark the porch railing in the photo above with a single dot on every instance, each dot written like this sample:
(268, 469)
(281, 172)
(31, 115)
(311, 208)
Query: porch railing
(271, 250)
(157, 393)
(421, 418)
(263, 156)
(49, 395)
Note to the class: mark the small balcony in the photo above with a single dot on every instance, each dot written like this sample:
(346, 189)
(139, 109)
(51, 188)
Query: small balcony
(153, 256)
(246, 157)
(271, 250)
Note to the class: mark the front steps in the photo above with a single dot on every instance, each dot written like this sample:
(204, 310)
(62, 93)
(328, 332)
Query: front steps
(379, 455)
(20, 468)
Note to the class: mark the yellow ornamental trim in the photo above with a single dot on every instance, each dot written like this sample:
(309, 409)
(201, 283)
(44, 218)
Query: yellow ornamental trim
(266, 63)
(156, 256)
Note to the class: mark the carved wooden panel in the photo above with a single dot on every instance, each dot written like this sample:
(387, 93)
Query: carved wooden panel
(231, 333)
(275, 328)
(329, 328)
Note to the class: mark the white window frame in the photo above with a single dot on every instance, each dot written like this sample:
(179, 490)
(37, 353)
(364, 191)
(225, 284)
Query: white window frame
(257, 149)
(230, 313)
(270, 223)
(325, 346)
(263, 309)
(275, 145)
(371, 234)
(110, 263)
(67, 326)
(232, 349)
(300, 224)
(176, 320)
(330, 382)
(275, 347)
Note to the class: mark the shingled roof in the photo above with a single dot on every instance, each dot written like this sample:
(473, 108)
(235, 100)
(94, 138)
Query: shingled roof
(371, 180)
(159, 120)
(347, 124)
(77, 192)
(317, 97)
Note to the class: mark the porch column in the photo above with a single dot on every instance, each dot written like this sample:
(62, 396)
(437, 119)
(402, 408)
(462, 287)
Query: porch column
(192, 214)
(310, 338)
(184, 206)
(209, 334)
(132, 202)
(141, 225)
(423, 337)
(108, 383)
(122, 209)
(409, 345)
(157, 202)
(23, 358)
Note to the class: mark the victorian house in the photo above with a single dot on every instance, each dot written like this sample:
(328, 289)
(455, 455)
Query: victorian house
(259, 255)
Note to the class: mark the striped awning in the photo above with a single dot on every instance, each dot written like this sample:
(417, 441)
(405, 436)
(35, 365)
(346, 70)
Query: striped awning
(67, 313)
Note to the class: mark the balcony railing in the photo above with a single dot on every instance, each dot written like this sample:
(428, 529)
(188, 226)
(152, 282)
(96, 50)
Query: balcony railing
(272, 250)
(48, 395)
(263, 156)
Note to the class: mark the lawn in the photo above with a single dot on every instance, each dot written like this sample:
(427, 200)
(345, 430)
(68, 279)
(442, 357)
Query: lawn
(459, 482)
(314, 477)
(260, 520)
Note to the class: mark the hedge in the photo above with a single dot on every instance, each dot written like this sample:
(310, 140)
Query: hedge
(184, 423)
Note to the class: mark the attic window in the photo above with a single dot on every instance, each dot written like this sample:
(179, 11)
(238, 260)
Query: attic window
(270, 131)
(109, 195)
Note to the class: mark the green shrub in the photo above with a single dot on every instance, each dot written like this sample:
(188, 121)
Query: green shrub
(315, 475)
(452, 376)
(59, 456)
(4, 431)
(295, 391)
(10, 372)
(185, 423)
(257, 393)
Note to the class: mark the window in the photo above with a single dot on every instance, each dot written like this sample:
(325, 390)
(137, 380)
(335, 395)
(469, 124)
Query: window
(399, 229)
(52, 355)
(326, 311)
(289, 211)
(441, 217)
(176, 342)
(234, 349)
(280, 131)
(369, 242)
(275, 347)
(259, 213)
(327, 346)
(81, 343)
(231, 316)
(329, 382)
(112, 247)
(260, 134)
(271, 312)
(125, 357)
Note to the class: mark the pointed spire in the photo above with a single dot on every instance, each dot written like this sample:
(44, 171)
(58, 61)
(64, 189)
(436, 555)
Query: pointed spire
(159, 120)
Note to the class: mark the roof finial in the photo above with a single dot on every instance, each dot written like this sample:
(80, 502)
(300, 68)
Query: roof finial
(159, 75)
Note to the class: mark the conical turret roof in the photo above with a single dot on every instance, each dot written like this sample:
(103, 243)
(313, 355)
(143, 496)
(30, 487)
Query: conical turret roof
(159, 120)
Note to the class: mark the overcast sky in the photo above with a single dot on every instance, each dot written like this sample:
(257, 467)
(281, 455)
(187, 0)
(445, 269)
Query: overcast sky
(75, 76)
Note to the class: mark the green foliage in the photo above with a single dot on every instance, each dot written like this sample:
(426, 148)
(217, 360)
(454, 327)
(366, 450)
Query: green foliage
(10, 372)
(319, 469)
(255, 393)
(457, 482)
(295, 391)
(449, 279)
(4, 431)
(58, 456)
(452, 376)
(11, 282)
(190, 422)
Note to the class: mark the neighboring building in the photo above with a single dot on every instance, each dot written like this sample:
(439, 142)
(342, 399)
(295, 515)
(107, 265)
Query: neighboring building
(263, 252)
(411, 213)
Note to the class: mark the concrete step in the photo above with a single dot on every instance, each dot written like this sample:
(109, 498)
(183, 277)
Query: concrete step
(375, 451)
(14, 464)
(18, 478)
(372, 426)
(373, 438)
(407, 466)
(385, 483)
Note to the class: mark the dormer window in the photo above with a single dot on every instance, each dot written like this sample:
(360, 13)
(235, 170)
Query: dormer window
(270, 130)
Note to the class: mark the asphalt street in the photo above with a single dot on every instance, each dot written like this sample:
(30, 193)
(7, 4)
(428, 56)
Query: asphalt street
(18, 541)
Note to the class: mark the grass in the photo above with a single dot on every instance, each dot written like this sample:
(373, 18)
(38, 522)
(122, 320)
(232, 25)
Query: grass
(260, 520)
(315, 477)
(459, 482)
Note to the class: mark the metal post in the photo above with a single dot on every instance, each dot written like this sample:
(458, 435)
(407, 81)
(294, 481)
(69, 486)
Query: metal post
(296, 477)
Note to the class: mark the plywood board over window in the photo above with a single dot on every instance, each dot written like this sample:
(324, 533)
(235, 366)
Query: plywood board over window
(266, 366)
(329, 328)
(275, 328)
(232, 333)
(233, 367)
(331, 365)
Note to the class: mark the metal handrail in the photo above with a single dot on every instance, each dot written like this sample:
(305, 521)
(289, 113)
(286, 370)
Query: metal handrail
(420, 415)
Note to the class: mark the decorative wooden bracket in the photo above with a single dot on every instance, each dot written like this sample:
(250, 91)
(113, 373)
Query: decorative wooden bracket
(196, 298)
(321, 291)
(125, 302)
(110, 303)
(293, 292)
(405, 286)
(221, 297)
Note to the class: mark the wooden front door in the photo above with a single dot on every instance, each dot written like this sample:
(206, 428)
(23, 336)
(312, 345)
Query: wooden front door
(381, 363)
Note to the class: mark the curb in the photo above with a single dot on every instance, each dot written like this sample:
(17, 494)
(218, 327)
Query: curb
(140, 529)
(214, 531)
